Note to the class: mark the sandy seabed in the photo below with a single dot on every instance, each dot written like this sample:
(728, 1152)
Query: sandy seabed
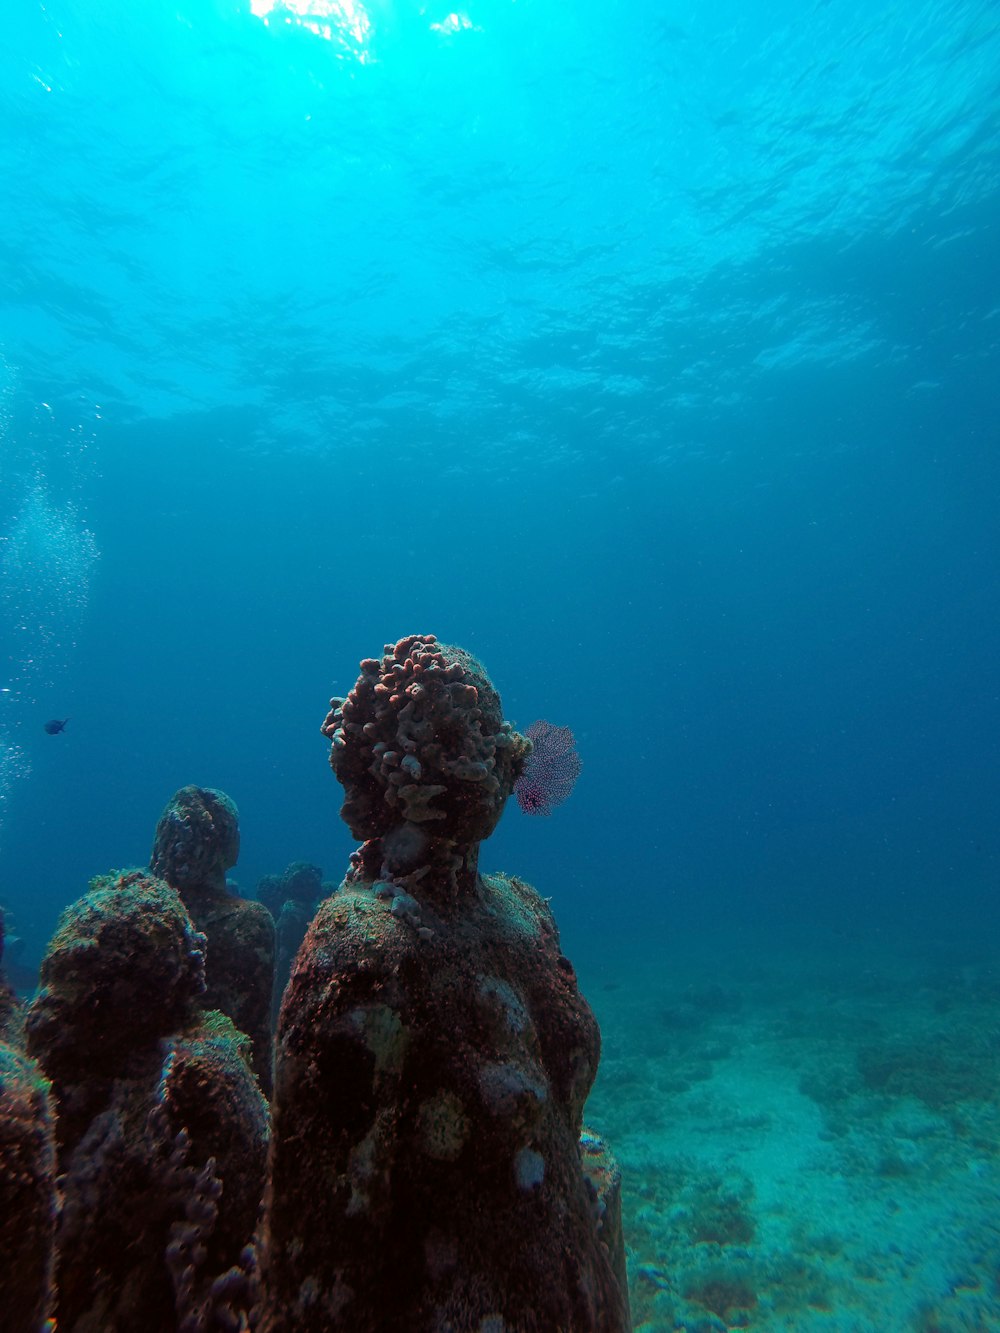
(808, 1130)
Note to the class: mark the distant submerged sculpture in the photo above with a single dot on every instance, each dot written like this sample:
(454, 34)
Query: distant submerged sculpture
(197, 840)
(427, 1169)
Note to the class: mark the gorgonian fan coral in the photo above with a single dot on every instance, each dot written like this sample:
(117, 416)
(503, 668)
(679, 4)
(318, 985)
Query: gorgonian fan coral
(550, 771)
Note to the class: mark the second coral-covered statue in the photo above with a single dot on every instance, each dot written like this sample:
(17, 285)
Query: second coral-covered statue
(197, 840)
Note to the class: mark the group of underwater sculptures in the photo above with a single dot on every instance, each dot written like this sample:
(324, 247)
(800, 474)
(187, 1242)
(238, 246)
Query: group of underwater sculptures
(418, 1161)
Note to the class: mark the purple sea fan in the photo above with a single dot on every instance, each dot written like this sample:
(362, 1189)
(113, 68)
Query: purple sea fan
(550, 771)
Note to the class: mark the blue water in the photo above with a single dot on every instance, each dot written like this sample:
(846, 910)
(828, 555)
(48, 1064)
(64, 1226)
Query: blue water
(650, 352)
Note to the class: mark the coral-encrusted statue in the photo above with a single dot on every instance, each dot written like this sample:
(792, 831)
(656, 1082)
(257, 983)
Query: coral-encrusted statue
(161, 1126)
(27, 1192)
(434, 1051)
(197, 840)
(27, 1176)
(292, 899)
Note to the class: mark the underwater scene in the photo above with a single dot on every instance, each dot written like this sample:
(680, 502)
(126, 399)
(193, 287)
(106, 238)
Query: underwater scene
(499, 666)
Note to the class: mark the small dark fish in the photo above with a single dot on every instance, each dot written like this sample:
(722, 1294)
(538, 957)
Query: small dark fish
(56, 725)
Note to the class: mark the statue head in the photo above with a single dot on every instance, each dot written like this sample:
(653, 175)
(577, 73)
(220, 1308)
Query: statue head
(124, 968)
(197, 839)
(423, 752)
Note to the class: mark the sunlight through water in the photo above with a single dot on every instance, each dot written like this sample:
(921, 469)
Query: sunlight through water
(343, 21)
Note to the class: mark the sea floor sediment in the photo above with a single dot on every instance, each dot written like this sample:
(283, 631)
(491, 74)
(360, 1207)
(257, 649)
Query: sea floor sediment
(809, 1131)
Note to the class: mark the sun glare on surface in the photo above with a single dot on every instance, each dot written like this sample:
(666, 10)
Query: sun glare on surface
(453, 23)
(347, 23)
(343, 21)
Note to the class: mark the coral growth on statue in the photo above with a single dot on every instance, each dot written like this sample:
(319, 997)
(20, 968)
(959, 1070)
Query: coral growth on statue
(434, 1050)
(28, 1195)
(162, 1129)
(197, 840)
(428, 1168)
(424, 756)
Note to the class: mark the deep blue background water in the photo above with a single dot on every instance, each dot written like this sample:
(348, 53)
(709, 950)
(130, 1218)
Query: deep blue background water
(650, 354)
